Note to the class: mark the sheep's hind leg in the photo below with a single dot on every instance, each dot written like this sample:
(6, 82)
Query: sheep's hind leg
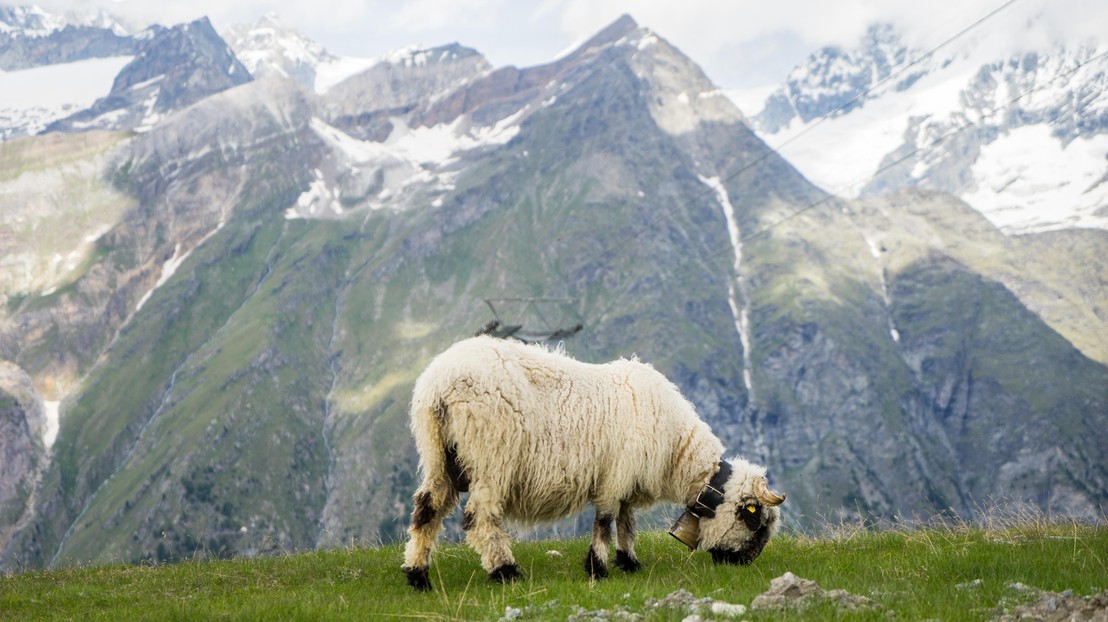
(432, 502)
(482, 521)
(625, 539)
(596, 562)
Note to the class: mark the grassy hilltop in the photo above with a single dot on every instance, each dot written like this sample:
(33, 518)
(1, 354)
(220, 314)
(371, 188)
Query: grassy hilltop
(945, 573)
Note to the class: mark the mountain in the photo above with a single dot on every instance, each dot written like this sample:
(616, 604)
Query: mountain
(31, 37)
(174, 67)
(270, 48)
(1021, 138)
(230, 307)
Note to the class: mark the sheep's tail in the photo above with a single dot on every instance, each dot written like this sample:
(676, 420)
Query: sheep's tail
(438, 457)
(437, 494)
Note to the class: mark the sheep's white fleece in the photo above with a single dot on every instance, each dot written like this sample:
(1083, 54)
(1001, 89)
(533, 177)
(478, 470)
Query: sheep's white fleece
(549, 434)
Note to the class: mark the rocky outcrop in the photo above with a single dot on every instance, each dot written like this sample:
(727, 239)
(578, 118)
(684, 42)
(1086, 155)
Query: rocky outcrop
(362, 104)
(22, 453)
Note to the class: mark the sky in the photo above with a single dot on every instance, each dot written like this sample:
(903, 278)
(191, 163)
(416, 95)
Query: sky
(739, 43)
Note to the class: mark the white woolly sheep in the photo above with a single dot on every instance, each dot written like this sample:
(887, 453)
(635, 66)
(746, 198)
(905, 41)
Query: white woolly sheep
(534, 435)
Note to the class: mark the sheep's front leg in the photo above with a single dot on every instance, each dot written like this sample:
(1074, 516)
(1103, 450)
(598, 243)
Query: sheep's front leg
(431, 503)
(482, 521)
(625, 539)
(596, 562)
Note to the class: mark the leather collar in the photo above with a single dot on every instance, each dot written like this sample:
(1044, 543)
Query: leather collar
(711, 496)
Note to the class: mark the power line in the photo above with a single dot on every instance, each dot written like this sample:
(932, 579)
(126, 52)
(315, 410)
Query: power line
(774, 150)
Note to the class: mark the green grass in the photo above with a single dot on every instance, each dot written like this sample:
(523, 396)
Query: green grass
(912, 572)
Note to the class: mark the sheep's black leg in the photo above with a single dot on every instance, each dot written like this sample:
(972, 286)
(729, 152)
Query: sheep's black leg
(625, 539)
(596, 562)
(431, 503)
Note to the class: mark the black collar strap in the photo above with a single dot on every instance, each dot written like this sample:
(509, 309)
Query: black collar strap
(710, 498)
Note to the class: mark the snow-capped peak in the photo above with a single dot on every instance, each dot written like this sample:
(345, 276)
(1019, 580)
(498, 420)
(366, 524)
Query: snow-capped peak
(1022, 138)
(269, 47)
(29, 21)
(32, 21)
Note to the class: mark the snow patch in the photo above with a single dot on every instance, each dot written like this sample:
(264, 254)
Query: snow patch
(50, 430)
(875, 250)
(647, 41)
(169, 268)
(146, 83)
(319, 196)
(422, 155)
(571, 49)
(1029, 181)
(149, 117)
(436, 145)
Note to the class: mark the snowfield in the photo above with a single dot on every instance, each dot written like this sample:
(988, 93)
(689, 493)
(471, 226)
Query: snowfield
(1029, 181)
(31, 99)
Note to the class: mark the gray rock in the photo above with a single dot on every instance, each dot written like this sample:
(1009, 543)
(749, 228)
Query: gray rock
(789, 590)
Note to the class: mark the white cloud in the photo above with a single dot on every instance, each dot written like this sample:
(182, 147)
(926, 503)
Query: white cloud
(740, 43)
(723, 35)
(417, 16)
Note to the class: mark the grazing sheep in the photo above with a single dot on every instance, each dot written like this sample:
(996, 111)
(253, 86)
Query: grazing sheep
(533, 435)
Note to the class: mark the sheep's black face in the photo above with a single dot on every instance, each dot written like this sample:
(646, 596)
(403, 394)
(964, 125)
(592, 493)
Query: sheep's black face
(740, 516)
(753, 526)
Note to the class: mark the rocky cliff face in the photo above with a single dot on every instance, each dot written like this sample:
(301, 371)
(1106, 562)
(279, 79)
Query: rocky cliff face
(22, 453)
(287, 268)
(362, 104)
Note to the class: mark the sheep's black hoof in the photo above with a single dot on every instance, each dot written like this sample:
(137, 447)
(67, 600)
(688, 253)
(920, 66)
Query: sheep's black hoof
(417, 578)
(596, 568)
(627, 563)
(506, 574)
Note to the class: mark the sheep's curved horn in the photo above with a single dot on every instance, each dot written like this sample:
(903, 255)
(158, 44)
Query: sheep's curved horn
(767, 496)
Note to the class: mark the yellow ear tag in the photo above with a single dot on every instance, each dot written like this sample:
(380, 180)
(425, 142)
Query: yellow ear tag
(751, 509)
